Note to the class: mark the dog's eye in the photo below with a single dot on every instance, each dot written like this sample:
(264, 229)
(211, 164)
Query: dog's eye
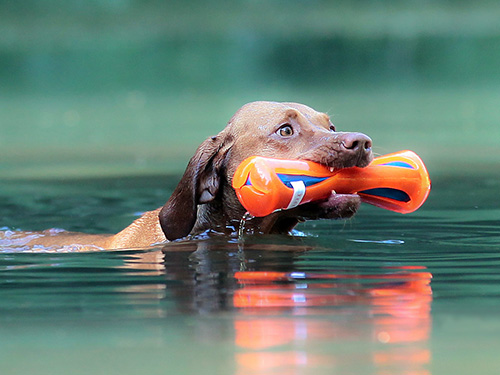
(285, 131)
(332, 128)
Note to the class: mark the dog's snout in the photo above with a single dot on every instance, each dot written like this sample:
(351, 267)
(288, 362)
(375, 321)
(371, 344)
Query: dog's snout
(356, 142)
(355, 150)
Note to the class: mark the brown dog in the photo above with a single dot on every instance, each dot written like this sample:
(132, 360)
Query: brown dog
(204, 199)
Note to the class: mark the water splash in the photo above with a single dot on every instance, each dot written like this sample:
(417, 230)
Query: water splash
(241, 230)
(13, 238)
(241, 240)
(16, 241)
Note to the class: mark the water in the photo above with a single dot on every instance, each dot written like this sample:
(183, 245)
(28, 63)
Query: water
(382, 293)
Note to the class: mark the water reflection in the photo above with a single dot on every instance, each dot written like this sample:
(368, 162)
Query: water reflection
(288, 318)
(391, 309)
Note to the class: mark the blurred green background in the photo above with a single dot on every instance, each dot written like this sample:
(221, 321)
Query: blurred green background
(121, 87)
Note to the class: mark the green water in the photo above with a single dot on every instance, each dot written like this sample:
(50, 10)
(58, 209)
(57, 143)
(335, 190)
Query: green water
(382, 293)
(103, 102)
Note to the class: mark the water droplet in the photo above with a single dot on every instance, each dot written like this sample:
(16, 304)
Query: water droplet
(241, 231)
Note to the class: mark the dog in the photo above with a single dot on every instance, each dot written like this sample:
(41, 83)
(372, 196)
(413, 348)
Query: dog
(204, 199)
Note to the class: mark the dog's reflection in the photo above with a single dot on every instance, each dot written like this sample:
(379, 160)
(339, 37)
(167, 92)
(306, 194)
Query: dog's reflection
(204, 280)
(286, 315)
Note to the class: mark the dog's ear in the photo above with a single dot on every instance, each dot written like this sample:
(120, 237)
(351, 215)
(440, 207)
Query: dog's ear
(199, 184)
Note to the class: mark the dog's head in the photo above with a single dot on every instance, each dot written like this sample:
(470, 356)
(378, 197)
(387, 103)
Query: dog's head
(204, 198)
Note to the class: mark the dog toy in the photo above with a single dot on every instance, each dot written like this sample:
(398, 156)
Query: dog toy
(397, 182)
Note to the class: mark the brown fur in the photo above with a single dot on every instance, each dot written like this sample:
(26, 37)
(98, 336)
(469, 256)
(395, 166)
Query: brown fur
(204, 199)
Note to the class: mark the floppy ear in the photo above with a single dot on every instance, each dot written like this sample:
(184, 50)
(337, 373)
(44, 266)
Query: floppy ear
(199, 184)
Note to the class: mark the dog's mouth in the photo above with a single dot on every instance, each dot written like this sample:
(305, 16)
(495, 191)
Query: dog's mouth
(339, 206)
(336, 205)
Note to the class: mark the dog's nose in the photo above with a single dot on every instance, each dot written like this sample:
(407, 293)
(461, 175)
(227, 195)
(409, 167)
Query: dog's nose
(356, 142)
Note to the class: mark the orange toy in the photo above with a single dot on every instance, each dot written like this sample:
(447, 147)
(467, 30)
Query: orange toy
(397, 182)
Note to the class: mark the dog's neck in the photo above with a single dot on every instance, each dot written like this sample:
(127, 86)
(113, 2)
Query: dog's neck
(227, 215)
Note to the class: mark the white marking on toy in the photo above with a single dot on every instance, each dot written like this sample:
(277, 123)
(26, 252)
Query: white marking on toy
(299, 190)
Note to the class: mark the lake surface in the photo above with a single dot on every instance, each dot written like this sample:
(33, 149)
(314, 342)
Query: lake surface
(382, 293)
(91, 91)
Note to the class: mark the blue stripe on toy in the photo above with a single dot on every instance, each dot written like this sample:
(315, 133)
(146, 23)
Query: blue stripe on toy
(308, 180)
(400, 164)
(397, 195)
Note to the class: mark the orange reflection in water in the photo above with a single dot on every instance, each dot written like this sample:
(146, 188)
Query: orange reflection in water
(375, 323)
